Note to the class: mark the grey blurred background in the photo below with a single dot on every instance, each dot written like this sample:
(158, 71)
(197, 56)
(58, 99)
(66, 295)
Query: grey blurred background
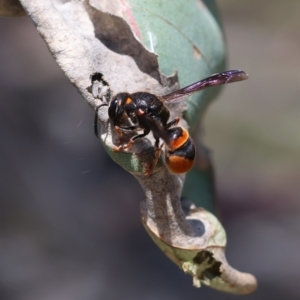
(69, 217)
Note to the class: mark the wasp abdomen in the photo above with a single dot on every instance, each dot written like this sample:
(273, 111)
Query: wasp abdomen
(176, 137)
(180, 152)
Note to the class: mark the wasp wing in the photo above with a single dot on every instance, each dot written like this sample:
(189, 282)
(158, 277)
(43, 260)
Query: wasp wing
(213, 80)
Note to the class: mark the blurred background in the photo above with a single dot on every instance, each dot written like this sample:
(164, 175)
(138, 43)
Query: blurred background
(69, 216)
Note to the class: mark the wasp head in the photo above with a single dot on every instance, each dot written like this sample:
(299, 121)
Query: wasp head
(116, 110)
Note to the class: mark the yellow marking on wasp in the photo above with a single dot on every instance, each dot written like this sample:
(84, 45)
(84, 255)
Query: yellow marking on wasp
(128, 100)
(179, 141)
(179, 164)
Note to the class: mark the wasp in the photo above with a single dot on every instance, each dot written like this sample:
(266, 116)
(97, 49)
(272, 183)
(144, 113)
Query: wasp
(148, 112)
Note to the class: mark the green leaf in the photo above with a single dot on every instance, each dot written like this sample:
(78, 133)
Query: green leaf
(187, 39)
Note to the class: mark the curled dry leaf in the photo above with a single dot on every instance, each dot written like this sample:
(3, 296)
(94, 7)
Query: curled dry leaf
(103, 37)
(199, 249)
(11, 8)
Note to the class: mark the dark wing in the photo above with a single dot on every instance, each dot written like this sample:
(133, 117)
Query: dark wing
(213, 80)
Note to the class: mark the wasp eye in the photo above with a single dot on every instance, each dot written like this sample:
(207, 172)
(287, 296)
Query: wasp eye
(116, 107)
(112, 110)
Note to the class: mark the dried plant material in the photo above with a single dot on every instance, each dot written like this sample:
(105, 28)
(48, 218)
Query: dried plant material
(199, 250)
(82, 37)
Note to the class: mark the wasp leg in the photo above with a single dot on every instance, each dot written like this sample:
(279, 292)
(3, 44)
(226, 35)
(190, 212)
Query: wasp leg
(174, 122)
(96, 119)
(131, 141)
(158, 150)
(119, 131)
(134, 127)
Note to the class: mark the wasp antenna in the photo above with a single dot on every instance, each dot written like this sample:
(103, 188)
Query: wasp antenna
(96, 131)
(213, 80)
